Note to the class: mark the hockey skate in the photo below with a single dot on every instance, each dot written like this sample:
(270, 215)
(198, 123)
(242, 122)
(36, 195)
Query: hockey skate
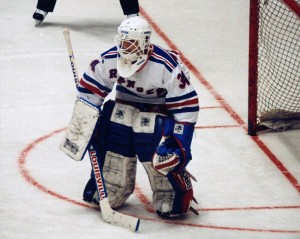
(39, 16)
(90, 194)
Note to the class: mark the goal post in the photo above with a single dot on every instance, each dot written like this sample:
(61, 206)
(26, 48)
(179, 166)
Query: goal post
(274, 65)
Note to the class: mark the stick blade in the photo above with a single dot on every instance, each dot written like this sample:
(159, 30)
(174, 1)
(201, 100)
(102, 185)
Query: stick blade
(118, 219)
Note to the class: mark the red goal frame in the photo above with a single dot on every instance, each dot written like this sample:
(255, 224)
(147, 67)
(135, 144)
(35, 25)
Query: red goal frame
(253, 128)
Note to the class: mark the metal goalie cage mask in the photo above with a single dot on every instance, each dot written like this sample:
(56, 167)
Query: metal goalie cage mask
(133, 43)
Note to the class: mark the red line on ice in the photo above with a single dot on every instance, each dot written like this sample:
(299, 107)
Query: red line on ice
(148, 205)
(30, 179)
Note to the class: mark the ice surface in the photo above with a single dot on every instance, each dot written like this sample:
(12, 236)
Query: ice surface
(247, 187)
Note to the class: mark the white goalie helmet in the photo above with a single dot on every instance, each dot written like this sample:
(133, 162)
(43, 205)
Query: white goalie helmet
(133, 43)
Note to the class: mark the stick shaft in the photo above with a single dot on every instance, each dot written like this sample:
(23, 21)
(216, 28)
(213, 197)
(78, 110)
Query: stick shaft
(109, 215)
(67, 37)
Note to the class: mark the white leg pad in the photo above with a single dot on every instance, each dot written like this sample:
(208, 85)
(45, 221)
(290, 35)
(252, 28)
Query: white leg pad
(163, 193)
(119, 173)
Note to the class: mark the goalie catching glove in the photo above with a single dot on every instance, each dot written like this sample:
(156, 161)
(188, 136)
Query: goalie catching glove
(174, 151)
(170, 159)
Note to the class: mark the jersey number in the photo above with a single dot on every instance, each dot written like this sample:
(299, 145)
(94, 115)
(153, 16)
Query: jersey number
(184, 81)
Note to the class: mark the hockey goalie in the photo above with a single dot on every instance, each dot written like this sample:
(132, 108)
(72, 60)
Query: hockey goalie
(150, 120)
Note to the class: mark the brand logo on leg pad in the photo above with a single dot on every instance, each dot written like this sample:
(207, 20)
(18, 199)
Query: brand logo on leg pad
(71, 146)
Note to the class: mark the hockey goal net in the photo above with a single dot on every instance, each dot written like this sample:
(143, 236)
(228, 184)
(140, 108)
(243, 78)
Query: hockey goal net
(274, 69)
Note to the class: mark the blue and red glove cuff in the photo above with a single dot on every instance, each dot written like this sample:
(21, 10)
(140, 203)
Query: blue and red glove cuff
(179, 139)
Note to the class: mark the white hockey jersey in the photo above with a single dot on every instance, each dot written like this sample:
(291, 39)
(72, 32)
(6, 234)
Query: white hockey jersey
(163, 80)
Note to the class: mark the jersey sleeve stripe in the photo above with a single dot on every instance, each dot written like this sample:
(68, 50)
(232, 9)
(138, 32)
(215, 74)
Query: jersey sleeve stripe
(84, 90)
(192, 102)
(184, 110)
(93, 89)
(152, 58)
(183, 97)
(164, 60)
(161, 56)
(113, 50)
(90, 80)
(166, 55)
(110, 55)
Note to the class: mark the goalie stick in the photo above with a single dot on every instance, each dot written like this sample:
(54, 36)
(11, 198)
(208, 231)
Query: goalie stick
(109, 215)
(67, 37)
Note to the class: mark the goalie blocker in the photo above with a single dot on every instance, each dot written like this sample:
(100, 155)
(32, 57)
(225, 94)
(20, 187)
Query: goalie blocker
(80, 130)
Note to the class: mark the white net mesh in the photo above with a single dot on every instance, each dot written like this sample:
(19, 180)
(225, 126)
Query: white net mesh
(278, 96)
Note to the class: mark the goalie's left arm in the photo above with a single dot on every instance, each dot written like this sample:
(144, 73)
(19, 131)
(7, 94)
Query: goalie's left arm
(174, 151)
